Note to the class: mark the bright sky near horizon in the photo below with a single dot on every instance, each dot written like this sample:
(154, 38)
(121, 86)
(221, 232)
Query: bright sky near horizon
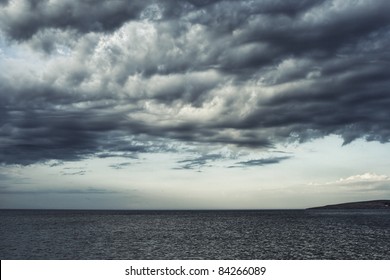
(193, 104)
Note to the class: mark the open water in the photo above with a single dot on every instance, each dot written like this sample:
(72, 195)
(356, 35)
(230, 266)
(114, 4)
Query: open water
(260, 234)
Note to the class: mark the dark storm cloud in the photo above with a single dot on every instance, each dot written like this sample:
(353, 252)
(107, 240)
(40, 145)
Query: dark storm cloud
(115, 79)
(22, 19)
(34, 135)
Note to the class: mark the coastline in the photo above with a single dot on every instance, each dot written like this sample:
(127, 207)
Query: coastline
(372, 204)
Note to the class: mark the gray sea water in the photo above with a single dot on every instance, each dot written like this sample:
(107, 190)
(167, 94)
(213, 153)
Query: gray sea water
(284, 234)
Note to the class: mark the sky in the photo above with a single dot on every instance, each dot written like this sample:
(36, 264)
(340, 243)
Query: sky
(193, 104)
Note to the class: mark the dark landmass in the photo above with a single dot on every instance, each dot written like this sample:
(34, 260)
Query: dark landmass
(373, 204)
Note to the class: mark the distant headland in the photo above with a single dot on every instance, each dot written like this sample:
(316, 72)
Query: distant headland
(372, 204)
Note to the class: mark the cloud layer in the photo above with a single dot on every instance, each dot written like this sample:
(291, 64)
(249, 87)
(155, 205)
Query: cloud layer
(365, 183)
(100, 78)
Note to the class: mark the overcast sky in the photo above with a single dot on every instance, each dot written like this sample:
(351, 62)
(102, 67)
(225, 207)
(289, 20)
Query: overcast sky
(193, 104)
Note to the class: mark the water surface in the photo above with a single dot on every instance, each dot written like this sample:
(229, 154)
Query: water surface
(260, 234)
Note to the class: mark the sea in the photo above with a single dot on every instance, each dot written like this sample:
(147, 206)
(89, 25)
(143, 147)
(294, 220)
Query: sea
(210, 235)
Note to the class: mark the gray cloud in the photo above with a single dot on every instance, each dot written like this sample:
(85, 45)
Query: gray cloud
(135, 78)
(260, 162)
(73, 171)
(90, 190)
(198, 162)
(121, 165)
(4, 177)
